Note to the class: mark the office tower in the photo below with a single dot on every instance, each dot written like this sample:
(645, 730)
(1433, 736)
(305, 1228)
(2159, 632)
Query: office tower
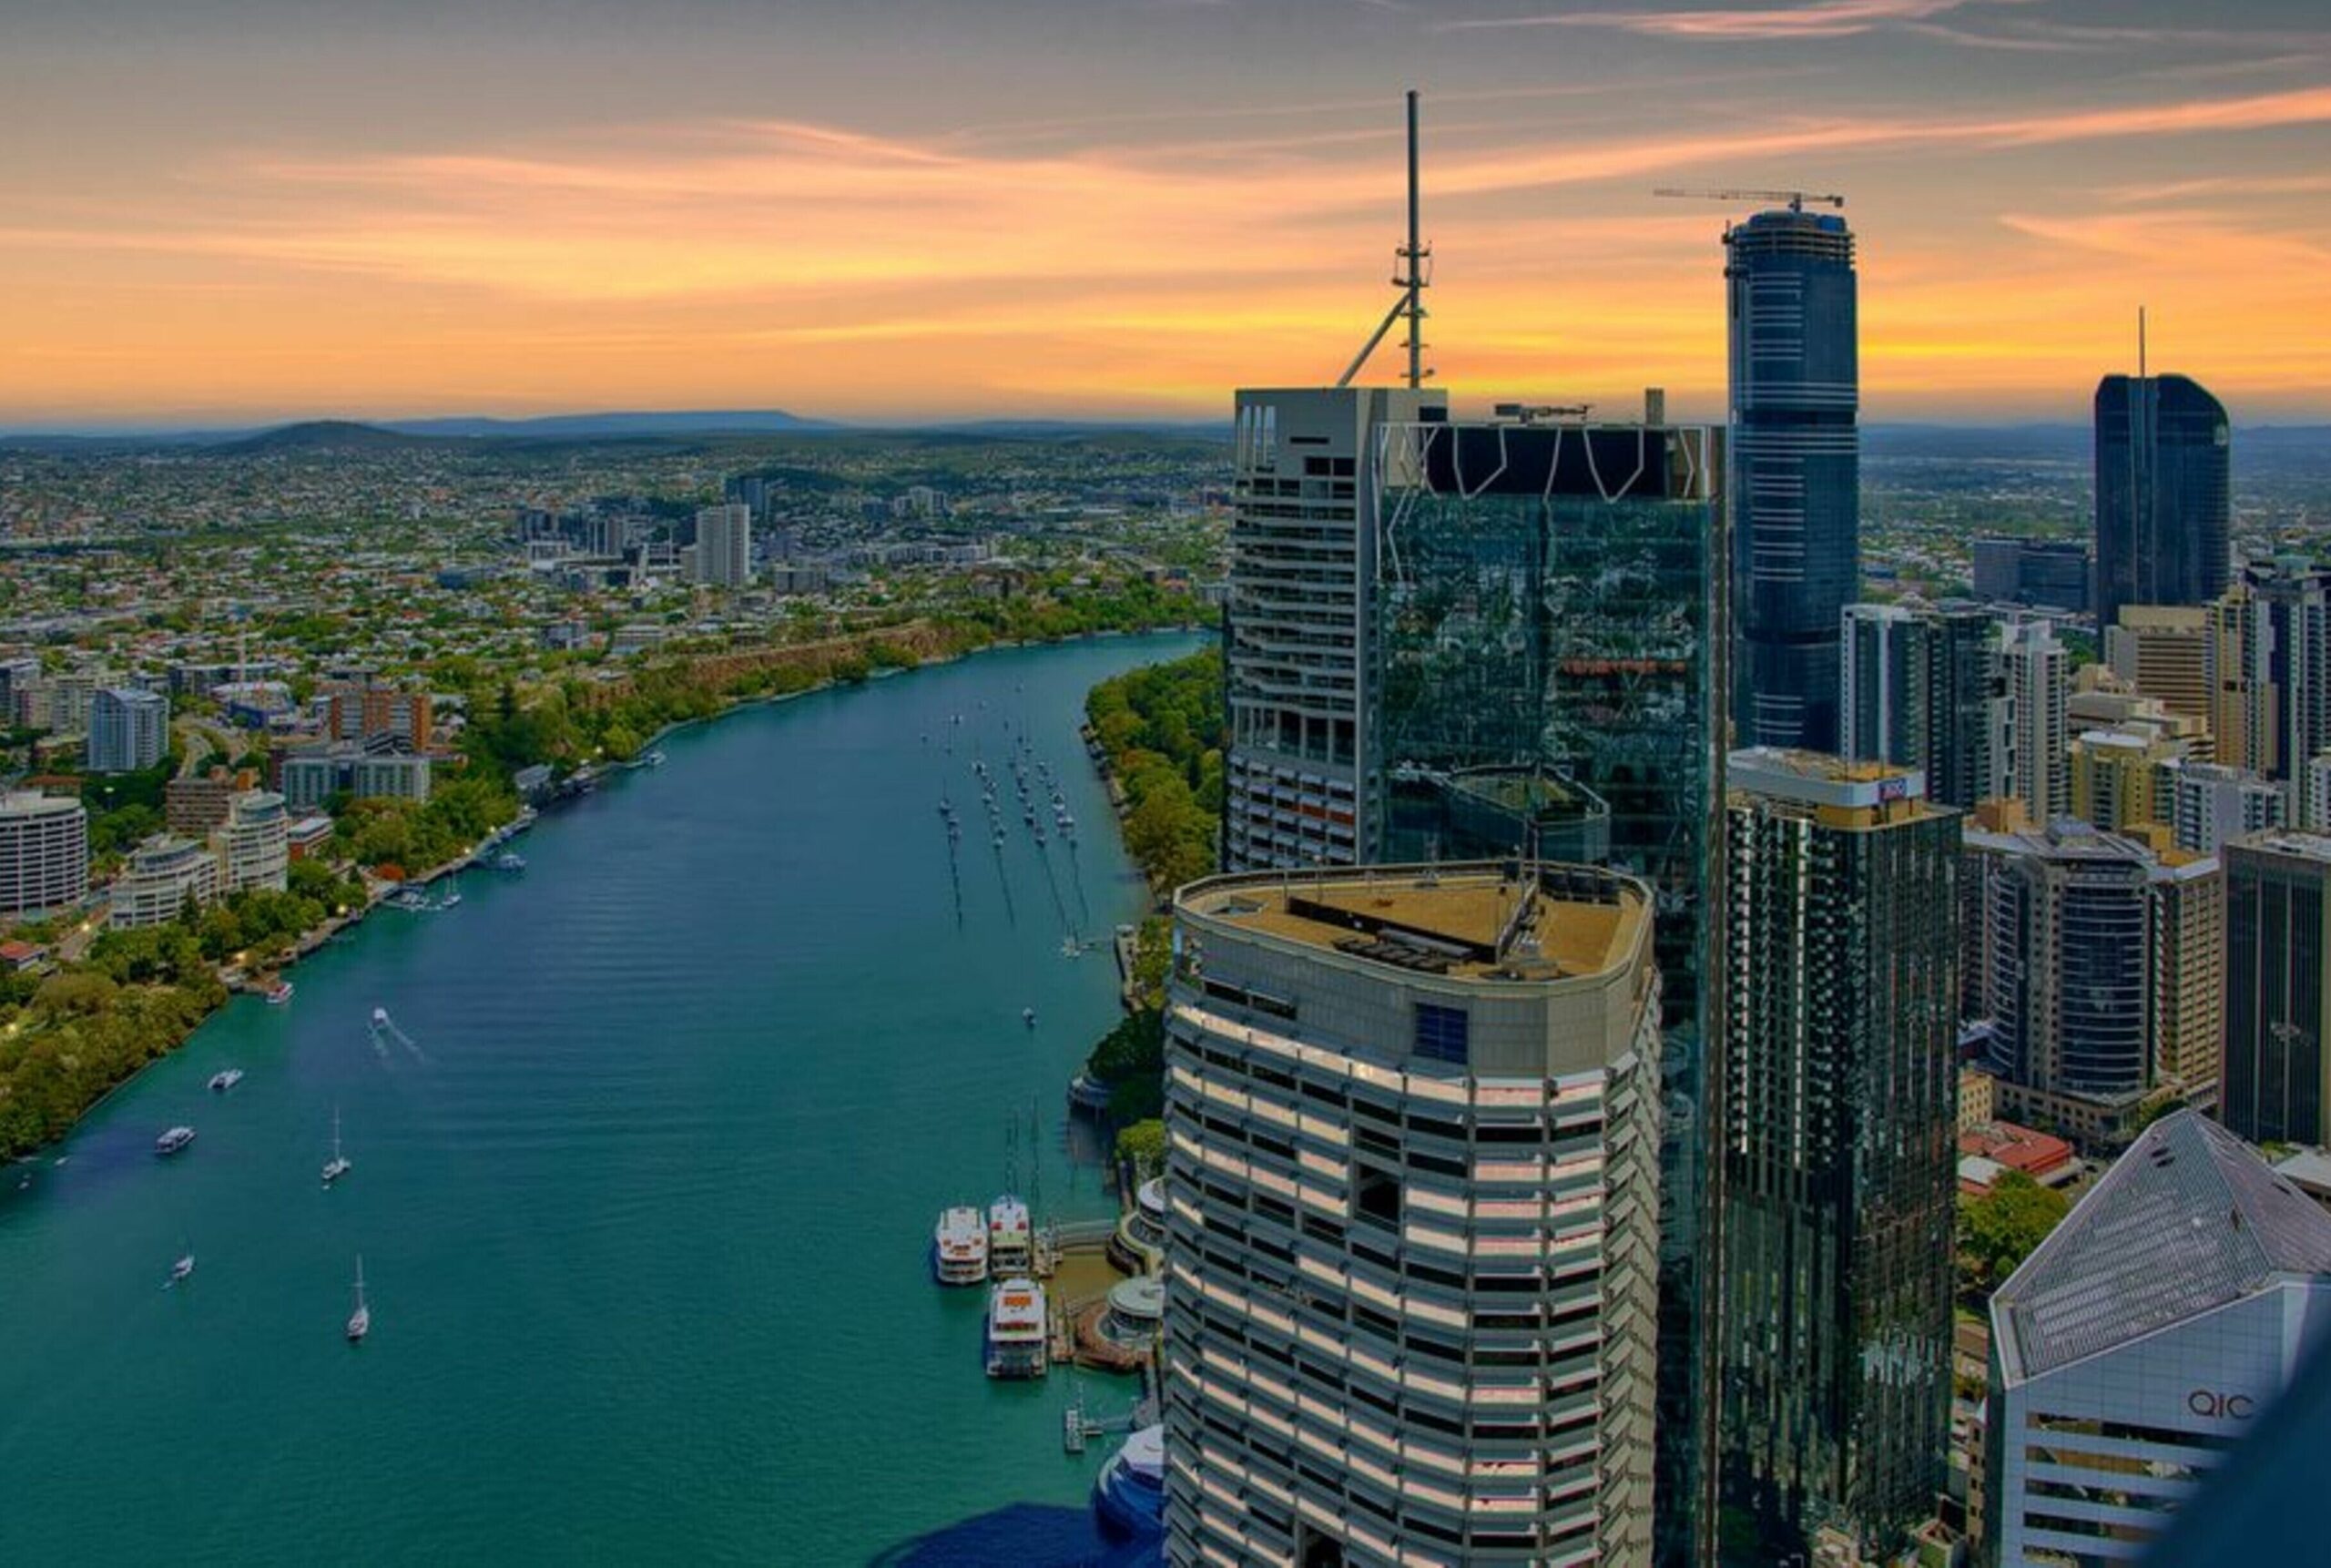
(1551, 604)
(2275, 1083)
(43, 853)
(2139, 1343)
(1411, 1217)
(2270, 670)
(1925, 686)
(2162, 494)
(2038, 681)
(1839, 1146)
(724, 546)
(129, 730)
(2185, 1007)
(2066, 974)
(2162, 651)
(2210, 803)
(1796, 454)
(1304, 486)
(2043, 574)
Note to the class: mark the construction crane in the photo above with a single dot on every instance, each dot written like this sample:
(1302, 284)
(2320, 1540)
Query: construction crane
(1796, 198)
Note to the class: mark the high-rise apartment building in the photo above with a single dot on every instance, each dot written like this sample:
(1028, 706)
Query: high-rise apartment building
(2186, 1005)
(1925, 687)
(1305, 485)
(2162, 494)
(43, 853)
(724, 544)
(2277, 1076)
(2209, 803)
(2162, 651)
(1412, 1210)
(2138, 1344)
(1796, 454)
(250, 844)
(164, 878)
(2115, 778)
(2270, 670)
(365, 709)
(1839, 1148)
(2066, 919)
(130, 729)
(2039, 682)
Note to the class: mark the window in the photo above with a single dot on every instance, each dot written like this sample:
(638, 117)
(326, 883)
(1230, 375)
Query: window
(1441, 1033)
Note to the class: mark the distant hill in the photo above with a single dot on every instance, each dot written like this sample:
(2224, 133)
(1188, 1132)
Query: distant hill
(318, 435)
(587, 426)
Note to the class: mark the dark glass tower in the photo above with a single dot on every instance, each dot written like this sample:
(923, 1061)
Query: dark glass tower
(2163, 487)
(1796, 471)
(1839, 1160)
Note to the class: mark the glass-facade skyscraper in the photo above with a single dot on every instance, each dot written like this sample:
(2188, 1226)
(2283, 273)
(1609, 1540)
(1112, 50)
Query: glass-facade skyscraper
(1927, 687)
(2276, 1086)
(1795, 471)
(2162, 494)
(1839, 1160)
(1551, 602)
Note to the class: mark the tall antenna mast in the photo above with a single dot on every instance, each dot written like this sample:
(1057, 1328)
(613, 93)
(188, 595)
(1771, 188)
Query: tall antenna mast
(2141, 342)
(1413, 256)
(1412, 278)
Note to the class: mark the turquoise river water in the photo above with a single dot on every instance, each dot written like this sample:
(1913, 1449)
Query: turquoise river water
(643, 1191)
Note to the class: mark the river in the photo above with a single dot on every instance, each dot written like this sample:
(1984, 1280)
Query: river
(644, 1179)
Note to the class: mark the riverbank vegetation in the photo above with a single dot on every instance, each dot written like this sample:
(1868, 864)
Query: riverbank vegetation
(1161, 733)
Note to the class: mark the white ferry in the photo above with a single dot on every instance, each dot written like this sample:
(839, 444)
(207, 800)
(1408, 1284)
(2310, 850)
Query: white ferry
(1011, 1243)
(226, 1079)
(958, 1248)
(174, 1140)
(1017, 1329)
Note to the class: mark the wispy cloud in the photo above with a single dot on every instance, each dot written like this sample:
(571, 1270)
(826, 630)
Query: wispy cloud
(1820, 19)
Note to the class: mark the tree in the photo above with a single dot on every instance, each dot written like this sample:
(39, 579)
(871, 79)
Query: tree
(1142, 1147)
(1998, 1230)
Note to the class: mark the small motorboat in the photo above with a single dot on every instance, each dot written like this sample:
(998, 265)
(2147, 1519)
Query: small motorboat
(171, 1142)
(226, 1079)
(279, 993)
(183, 1269)
(360, 1322)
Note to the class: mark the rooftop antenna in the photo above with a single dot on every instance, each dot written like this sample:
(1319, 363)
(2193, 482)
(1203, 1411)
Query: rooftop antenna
(2141, 342)
(1411, 277)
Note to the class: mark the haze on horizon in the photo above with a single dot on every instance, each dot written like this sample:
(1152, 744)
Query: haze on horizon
(239, 210)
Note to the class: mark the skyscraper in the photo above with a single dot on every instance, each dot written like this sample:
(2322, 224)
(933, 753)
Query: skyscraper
(2269, 662)
(1925, 687)
(1305, 484)
(2276, 1080)
(129, 728)
(2162, 494)
(1795, 471)
(1550, 600)
(2038, 681)
(724, 544)
(1412, 1215)
(1839, 1148)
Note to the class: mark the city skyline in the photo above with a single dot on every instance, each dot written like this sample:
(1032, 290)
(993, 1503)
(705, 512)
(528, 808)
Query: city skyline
(245, 210)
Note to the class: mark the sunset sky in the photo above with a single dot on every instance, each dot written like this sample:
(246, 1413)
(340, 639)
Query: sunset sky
(233, 211)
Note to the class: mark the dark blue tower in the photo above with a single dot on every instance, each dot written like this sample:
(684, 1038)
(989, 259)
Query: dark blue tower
(2162, 494)
(1796, 471)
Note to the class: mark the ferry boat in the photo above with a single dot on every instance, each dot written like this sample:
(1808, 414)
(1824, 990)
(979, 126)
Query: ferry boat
(174, 1140)
(279, 993)
(1129, 1499)
(226, 1079)
(1017, 1329)
(1011, 1243)
(958, 1248)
